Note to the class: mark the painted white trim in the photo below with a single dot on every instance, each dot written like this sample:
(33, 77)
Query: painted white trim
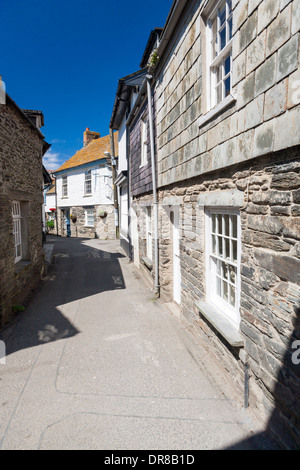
(230, 99)
(232, 314)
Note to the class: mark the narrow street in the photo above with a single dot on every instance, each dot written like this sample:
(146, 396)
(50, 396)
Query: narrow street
(95, 362)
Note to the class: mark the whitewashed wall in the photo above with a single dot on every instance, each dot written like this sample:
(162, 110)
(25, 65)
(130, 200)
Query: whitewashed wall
(101, 187)
(122, 147)
(50, 202)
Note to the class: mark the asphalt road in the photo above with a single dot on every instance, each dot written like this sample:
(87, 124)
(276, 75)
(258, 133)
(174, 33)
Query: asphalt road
(95, 362)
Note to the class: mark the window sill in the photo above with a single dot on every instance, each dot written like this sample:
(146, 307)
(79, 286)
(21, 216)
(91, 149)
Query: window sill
(223, 326)
(230, 99)
(147, 262)
(21, 266)
(65, 197)
(87, 195)
(144, 164)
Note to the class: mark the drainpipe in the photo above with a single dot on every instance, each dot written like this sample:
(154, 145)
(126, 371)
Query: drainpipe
(155, 203)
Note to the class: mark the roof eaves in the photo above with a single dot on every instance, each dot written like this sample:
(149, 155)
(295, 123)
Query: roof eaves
(23, 115)
(85, 164)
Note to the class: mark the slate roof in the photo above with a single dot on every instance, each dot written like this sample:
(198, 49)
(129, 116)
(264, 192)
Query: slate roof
(92, 152)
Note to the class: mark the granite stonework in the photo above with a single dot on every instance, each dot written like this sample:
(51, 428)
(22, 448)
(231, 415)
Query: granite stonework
(21, 179)
(245, 154)
(104, 226)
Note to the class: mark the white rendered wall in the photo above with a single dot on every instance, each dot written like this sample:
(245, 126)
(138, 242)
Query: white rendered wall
(50, 202)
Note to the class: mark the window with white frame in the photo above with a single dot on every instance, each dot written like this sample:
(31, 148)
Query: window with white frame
(149, 232)
(88, 183)
(17, 226)
(223, 261)
(89, 218)
(124, 209)
(144, 141)
(64, 186)
(108, 187)
(219, 52)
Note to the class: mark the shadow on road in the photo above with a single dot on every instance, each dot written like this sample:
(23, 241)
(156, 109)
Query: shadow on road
(81, 268)
(284, 421)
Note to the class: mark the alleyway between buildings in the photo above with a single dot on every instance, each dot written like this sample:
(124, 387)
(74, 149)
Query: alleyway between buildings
(96, 363)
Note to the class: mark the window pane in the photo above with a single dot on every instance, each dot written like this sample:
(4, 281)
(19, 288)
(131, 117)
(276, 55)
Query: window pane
(226, 222)
(227, 64)
(219, 286)
(225, 270)
(222, 13)
(227, 248)
(213, 220)
(214, 244)
(219, 223)
(232, 296)
(234, 250)
(219, 93)
(220, 246)
(225, 291)
(230, 28)
(222, 38)
(232, 274)
(227, 86)
(234, 226)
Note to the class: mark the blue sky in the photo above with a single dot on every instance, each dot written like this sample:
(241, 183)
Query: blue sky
(64, 57)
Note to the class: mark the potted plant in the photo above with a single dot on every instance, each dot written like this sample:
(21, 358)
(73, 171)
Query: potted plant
(73, 218)
(102, 214)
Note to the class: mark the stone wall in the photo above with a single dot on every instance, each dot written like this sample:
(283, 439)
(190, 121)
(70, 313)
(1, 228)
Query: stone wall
(265, 80)
(250, 146)
(21, 179)
(270, 282)
(104, 228)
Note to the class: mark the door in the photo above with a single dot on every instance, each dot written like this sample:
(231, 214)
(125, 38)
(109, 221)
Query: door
(176, 255)
(67, 222)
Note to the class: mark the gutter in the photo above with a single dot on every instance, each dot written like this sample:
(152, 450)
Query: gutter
(155, 202)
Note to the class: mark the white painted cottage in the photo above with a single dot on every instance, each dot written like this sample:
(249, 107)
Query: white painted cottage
(85, 191)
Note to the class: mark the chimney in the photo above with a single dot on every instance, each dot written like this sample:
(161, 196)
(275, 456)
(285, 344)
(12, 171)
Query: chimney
(88, 136)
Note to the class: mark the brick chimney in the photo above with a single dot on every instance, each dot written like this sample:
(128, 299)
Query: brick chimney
(88, 136)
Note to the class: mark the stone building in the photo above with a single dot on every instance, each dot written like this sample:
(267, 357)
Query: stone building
(22, 178)
(127, 91)
(84, 192)
(225, 100)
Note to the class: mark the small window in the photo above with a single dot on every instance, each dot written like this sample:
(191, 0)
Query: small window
(144, 141)
(223, 259)
(219, 35)
(64, 186)
(88, 183)
(149, 232)
(16, 215)
(89, 218)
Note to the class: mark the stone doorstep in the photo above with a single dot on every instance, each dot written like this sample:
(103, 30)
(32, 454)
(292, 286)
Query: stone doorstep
(223, 326)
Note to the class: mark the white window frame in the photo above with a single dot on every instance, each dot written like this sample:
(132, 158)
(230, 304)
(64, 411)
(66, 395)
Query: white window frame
(88, 213)
(144, 141)
(124, 209)
(88, 183)
(17, 229)
(216, 64)
(216, 282)
(64, 186)
(149, 232)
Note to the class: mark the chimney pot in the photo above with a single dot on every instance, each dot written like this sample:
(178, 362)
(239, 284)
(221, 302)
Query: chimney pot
(88, 136)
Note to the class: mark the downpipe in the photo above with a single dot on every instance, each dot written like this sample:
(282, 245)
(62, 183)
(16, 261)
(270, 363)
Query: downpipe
(155, 202)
